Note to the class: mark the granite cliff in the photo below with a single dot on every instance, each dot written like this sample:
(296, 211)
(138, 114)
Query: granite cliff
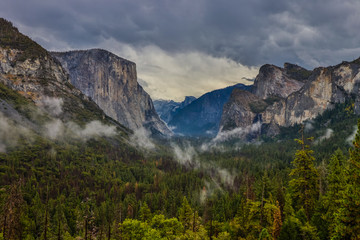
(292, 95)
(240, 115)
(29, 71)
(280, 82)
(111, 82)
(324, 88)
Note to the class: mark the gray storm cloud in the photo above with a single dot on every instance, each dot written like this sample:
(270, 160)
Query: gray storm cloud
(187, 41)
(249, 32)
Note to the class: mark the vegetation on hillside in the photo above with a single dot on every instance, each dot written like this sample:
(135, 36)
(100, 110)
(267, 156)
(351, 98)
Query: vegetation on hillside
(11, 38)
(99, 189)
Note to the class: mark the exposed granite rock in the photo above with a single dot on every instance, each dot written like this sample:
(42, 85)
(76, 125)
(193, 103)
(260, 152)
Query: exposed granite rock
(301, 95)
(274, 81)
(325, 87)
(28, 69)
(111, 82)
(38, 79)
(237, 112)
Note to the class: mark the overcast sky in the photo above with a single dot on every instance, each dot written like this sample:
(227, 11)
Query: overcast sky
(189, 47)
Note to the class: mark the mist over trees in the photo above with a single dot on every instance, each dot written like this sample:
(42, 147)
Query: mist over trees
(98, 189)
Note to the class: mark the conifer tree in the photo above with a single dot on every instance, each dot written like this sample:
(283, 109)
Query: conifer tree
(304, 184)
(186, 214)
(12, 212)
(335, 190)
(277, 222)
(348, 221)
(144, 213)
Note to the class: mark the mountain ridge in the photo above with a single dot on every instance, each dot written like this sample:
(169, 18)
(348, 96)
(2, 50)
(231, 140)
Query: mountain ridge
(111, 81)
(37, 98)
(203, 115)
(168, 108)
(315, 91)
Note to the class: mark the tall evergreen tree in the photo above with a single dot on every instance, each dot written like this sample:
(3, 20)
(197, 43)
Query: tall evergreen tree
(186, 214)
(335, 190)
(304, 184)
(348, 222)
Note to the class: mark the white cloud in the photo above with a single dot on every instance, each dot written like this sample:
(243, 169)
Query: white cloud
(59, 130)
(175, 75)
(54, 129)
(186, 155)
(328, 133)
(11, 133)
(226, 177)
(223, 136)
(52, 105)
(96, 128)
(308, 126)
(141, 138)
(351, 138)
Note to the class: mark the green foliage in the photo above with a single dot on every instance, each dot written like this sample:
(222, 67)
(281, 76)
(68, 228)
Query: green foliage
(304, 184)
(258, 106)
(11, 38)
(186, 214)
(222, 236)
(347, 224)
(134, 229)
(103, 189)
(331, 202)
(301, 74)
(144, 213)
(272, 99)
(291, 229)
(169, 228)
(261, 105)
(12, 96)
(264, 235)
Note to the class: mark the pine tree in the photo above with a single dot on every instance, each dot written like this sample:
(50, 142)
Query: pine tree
(12, 212)
(277, 222)
(304, 184)
(186, 214)
(335, 191)
(144, 213)
(348, 221)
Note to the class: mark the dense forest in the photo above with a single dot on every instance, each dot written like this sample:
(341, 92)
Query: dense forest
(308, 188)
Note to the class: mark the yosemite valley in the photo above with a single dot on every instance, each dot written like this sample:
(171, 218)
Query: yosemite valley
(85, 153)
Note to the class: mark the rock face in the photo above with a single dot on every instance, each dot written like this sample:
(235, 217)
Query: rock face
(168, 108)
(237, 115)
(292, 95)
(31, 71)
(325, 88)
(203, 115)
(280, 82)
(112, 83)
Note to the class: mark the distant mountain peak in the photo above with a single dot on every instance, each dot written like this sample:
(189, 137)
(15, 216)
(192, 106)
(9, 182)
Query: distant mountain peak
(168, 108)
(202, 116)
